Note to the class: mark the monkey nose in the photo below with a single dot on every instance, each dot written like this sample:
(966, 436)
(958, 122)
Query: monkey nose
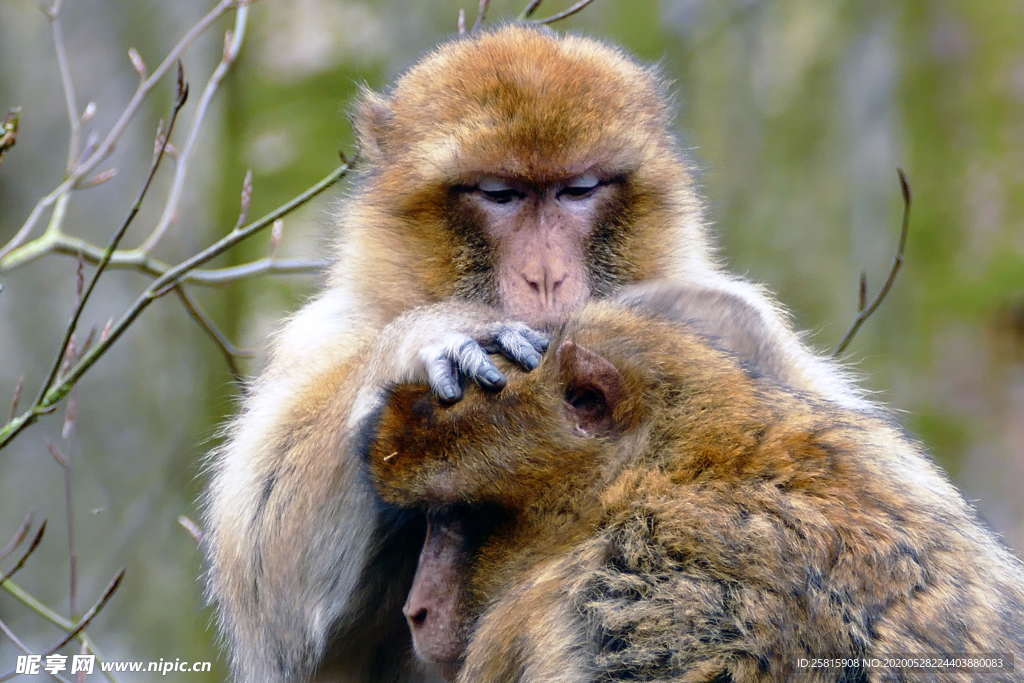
(544, 283)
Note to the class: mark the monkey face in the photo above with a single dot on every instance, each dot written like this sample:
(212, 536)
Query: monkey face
(528, 171)
(539, 233)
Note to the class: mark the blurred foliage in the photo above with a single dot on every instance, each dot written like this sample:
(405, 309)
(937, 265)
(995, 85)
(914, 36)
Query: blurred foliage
(797, 112)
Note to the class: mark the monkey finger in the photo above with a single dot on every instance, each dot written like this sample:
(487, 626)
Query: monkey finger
(514, 345)
(443, 378)
(474, 364)
(538, 340)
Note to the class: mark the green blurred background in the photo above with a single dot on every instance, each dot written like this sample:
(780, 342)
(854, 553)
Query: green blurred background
(798, 113)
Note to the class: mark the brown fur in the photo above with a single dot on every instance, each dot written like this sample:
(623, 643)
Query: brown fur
(727, 527)
(307, 574)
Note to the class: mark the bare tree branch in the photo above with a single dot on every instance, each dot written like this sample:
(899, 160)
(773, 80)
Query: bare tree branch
(133, 259)
(232, 45)
(67, 84)
(96, 608)
(865, 312)
(227, 349)
(167, 281)
(83, 623)
(25, 555)
(40, 608)
(23, 647)
(179, 101)
(103, 149)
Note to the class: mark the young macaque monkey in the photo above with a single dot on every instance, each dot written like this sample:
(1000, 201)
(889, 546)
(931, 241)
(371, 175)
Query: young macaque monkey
(644, 506)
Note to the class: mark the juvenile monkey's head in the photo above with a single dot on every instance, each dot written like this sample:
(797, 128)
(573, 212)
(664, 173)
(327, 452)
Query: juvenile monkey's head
(490, 470)
(506, 480)
(526, 169)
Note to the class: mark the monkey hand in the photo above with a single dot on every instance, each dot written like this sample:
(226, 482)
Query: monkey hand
(446, 345)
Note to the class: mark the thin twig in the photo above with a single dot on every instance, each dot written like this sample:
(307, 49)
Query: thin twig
(481, 14)
(192, 528)
(461, 22)
(67, 471)
(36, 540)
(40, 608)
(18, 537)
(227, 349)
(245, 200)
(866, 311)
(167, 281)
(67, 85)
(133, 259)
(16, 397)
(529, 9)
(83, 623)
(23, 647)
(179, 101)
(564, 14)
(231, 48)
(108, 593)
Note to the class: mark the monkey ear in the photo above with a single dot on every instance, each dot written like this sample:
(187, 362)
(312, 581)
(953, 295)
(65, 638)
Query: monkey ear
(370, 118)
(593, 387)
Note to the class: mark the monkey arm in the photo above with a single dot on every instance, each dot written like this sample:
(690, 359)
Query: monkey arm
(280, 576)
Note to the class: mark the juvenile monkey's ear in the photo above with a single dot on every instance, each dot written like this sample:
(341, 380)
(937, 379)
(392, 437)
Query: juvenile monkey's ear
(593, 387)
(370, 117)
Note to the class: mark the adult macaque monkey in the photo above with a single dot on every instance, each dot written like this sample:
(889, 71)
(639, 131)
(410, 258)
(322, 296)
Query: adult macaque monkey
(507, 178)
(643, 507)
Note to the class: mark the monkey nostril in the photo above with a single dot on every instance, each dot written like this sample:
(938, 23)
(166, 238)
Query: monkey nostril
(418, 618)
(534, 285)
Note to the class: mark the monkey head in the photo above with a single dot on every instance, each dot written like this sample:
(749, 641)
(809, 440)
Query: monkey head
(504, 478)
(525, 169)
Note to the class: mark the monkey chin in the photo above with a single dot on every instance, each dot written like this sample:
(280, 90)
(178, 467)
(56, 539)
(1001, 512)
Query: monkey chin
(443, 652)
(444, 662)
(446, 671)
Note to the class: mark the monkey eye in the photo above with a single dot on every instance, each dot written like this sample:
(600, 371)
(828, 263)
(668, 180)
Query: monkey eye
(498, 191)
(581, 187)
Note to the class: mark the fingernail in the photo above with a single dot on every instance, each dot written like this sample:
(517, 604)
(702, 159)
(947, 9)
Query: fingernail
(449, 392)
(531, 361)
(494, 377)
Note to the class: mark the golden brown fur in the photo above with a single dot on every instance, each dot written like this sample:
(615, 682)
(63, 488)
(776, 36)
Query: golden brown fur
(727, 527)
(305, 572)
